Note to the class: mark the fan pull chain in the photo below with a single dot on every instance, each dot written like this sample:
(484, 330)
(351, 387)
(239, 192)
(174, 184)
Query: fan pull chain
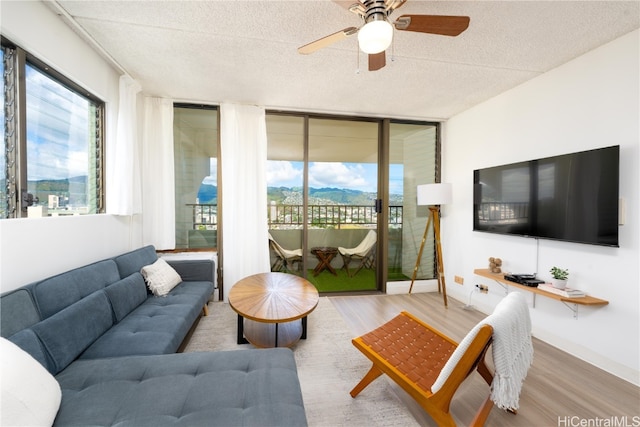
(358, 59)
(393, 49)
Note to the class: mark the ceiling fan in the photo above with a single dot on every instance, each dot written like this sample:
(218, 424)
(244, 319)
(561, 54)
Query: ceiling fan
(376, 34)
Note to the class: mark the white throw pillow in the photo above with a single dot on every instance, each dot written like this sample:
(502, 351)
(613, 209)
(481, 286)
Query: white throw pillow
(30, 394)
(160, 277)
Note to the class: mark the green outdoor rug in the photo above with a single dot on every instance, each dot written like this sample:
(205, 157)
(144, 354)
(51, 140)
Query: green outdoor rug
(365, 280)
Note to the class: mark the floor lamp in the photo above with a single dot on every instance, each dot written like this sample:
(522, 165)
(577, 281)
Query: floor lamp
(433, 195)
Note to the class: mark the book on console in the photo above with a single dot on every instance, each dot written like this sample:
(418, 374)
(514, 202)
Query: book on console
(566, 292)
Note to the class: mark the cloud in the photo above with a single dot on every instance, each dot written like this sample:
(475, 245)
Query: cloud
(284, 173)
(49, 160)
(342, 175)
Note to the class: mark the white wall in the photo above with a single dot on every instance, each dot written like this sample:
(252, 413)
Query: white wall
(591, 102)
(31, 249)
(34, 248)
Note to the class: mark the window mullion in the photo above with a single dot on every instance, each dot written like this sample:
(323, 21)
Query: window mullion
(20, 124)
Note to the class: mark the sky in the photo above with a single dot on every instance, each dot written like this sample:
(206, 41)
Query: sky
(352, 176)
(57, 129)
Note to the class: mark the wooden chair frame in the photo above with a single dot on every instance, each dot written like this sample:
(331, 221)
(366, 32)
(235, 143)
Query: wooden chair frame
(367, 261)
(366, 254)
(283, 263)
(435, 404)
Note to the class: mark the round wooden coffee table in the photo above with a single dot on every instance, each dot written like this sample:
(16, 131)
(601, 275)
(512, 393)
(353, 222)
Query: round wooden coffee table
(272, 308)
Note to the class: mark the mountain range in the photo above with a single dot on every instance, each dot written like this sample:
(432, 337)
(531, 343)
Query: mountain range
(208, 194)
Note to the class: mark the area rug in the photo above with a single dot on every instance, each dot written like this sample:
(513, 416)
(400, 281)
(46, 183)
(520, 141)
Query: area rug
(329, 366)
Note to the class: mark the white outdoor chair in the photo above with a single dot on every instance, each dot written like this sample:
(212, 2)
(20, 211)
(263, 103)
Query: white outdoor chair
(285, 259)
(364, 252)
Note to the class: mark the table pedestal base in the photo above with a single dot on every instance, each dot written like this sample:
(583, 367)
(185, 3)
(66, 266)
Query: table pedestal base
(267, 335)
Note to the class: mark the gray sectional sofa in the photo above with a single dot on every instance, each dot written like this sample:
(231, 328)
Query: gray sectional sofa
(111, 346)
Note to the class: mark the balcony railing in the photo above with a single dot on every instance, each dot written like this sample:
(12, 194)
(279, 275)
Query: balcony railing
(205, 216)
(503, 213)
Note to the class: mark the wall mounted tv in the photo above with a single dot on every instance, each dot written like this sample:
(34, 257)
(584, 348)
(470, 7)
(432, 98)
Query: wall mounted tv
(572, 197)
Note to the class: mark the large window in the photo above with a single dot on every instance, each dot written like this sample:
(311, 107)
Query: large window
(53, 141)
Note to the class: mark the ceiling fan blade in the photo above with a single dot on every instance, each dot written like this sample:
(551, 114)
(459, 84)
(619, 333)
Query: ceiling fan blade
(394, 4)
(326, 41)
(377, 61)
(345, 4)
(433, 24)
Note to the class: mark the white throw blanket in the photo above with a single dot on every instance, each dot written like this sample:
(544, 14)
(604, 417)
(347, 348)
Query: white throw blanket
(512, 350)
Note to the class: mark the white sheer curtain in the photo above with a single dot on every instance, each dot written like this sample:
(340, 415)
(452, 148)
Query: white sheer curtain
(243, 138)
(123, 190)
(158, 194)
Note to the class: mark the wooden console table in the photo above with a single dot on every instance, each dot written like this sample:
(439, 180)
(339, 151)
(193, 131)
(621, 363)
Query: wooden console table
(572, 303)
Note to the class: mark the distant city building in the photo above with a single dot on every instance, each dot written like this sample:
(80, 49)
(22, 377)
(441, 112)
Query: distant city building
(54, 201)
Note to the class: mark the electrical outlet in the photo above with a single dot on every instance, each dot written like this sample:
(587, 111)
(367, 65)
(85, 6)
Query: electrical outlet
(482, 288)
(459, 280)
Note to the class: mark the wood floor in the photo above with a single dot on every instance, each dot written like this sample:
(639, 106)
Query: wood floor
(560, 390)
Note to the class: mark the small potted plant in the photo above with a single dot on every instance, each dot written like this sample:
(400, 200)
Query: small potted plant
(560, 277)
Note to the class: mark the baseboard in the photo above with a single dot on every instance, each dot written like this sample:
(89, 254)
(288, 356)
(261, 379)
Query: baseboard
(614, 368)
(419, 286)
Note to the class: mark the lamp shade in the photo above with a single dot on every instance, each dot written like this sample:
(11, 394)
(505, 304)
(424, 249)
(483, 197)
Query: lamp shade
(434, 194)
(375, 36)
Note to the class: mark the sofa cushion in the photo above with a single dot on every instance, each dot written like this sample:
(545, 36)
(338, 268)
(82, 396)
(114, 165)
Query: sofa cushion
(27, 340)
(160, 277)
(58, 292)
(17, 311)
(133, 261)
(194, 270)
(158, 326)
(68, 333)
(126, 294)
(30, 395)
(225, 388)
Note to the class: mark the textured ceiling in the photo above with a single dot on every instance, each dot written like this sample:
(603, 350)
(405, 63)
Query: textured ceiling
(245, 51)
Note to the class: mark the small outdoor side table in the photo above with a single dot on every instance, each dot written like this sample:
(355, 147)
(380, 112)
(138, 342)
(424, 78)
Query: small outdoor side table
(324, 254)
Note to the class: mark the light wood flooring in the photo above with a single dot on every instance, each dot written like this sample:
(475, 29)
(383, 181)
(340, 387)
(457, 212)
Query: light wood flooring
(560, 390)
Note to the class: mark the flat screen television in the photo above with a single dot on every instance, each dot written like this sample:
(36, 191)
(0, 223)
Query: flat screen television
(571, 197)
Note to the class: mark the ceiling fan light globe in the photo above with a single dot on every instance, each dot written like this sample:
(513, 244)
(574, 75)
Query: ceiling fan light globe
(375, 36)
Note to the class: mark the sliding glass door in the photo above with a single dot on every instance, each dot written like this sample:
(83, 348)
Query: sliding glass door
(322, 192)
(327, 220)
(342, 195)
(285, 196)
